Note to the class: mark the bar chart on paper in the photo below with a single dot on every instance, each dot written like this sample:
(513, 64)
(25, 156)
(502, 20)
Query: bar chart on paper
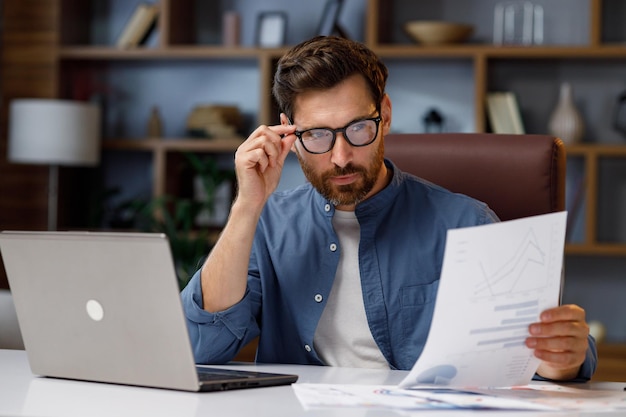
(495, 280)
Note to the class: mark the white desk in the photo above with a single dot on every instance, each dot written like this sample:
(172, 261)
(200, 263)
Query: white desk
(22, 394)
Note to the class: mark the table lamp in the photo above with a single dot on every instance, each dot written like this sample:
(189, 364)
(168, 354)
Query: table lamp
(56, 133)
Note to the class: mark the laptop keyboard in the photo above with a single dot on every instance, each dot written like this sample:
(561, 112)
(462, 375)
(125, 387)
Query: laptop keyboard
(205, 374)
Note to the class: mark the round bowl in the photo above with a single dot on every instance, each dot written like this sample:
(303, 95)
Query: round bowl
(432, 32)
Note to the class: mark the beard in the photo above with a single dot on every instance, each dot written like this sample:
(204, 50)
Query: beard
(350, 194)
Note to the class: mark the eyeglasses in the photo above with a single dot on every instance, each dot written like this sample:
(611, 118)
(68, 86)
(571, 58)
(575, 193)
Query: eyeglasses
(321, 140)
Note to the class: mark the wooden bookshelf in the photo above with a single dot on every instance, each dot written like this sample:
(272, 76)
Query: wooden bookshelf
(45, 45)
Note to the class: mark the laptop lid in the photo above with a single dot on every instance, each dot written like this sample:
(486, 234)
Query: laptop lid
(106, 307)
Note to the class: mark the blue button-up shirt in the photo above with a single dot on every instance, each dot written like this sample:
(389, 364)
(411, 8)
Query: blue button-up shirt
(293, 263)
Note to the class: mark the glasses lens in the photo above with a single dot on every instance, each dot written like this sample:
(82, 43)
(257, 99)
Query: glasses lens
(317, 140)
(361, 132)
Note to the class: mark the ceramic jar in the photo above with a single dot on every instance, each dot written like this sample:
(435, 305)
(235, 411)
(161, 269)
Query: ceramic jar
(566, 122)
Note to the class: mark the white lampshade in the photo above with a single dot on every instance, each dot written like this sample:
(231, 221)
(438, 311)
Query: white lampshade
(54, 132)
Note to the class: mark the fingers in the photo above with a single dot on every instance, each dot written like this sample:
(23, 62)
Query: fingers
(576, 328)
(560, 339)
(267, 146)
(568, 349)
(259, 161)
(562, 358)
(567, 312)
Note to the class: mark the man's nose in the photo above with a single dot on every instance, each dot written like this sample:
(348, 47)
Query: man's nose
(341, 154)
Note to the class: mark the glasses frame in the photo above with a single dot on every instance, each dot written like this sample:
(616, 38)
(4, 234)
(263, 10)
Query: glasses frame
(341, 130)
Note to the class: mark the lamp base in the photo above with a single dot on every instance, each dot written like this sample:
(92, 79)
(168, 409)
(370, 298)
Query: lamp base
(53, 196)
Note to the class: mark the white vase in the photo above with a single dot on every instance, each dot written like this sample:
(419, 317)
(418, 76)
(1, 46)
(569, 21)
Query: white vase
(566, 122)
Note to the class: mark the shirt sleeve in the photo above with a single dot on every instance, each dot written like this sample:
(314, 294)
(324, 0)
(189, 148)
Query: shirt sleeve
(216, 337)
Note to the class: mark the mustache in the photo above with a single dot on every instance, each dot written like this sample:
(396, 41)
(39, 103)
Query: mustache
(347, 170)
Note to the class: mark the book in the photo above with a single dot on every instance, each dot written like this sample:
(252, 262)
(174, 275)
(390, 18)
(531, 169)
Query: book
(138, 26)
(503, 112)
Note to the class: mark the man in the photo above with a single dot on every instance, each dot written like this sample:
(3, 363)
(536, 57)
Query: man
(343, 270)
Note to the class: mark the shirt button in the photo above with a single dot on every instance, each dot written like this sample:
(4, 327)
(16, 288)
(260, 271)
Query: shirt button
(307, 348)
(327, 207)
(333, 247)
(318, 298)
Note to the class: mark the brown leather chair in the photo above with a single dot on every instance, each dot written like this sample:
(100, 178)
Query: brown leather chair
(516, 175)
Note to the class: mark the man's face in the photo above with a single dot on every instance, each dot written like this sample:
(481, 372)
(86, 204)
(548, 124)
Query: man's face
(345, 175)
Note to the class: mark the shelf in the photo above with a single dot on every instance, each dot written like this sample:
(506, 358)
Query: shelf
(169, 53)
(588, 149)
(173, 145)
(385, 51)
(160, 147)
(596, 249)
(495, 51)
(556, 52)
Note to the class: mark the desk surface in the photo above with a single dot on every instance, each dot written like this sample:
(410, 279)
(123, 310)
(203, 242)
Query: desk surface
(23, 394)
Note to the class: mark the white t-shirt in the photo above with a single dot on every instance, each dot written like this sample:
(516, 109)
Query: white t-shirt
(343, 336)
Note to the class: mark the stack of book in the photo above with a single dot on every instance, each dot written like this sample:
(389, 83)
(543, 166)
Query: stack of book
(214, 121)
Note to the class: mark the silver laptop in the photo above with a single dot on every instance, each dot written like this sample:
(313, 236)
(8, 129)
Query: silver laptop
(106, 307)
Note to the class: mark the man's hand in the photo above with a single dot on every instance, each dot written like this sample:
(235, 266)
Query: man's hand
(259, 162)
(560, 341)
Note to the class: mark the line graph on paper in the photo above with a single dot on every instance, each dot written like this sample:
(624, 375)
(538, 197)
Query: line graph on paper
(524, 262)
(507, 277)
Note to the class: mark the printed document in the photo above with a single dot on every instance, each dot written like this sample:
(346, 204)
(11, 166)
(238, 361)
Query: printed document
(496, 279)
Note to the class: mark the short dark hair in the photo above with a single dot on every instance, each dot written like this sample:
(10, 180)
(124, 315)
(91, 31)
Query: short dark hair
(323, 62)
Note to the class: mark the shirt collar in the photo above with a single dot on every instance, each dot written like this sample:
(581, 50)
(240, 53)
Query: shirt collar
(384, 197)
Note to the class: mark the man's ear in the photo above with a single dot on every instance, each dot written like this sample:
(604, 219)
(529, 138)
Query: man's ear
(385, 113)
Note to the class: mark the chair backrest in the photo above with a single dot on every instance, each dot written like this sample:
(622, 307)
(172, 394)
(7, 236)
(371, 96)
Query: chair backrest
(516, 175)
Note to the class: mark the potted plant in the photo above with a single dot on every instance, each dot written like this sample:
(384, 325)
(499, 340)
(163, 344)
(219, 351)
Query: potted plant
(176, 217)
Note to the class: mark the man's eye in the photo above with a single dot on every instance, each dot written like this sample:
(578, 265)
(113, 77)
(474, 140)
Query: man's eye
(355, 127)
(317, 134)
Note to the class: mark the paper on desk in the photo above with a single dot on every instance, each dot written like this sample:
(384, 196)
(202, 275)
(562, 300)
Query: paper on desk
(495, 280)
(389, 397)
(536, 396)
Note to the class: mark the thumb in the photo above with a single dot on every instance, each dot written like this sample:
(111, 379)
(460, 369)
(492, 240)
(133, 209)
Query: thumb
(288, 140)
(286, 145)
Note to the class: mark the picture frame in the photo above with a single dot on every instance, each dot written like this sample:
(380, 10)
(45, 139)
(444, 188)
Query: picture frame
(329, 23)
(271, 29)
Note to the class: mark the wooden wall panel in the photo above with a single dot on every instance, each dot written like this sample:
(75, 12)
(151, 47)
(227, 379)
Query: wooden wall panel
(29, 68)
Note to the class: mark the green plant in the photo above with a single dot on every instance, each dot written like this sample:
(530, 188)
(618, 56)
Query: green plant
(175, 217)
